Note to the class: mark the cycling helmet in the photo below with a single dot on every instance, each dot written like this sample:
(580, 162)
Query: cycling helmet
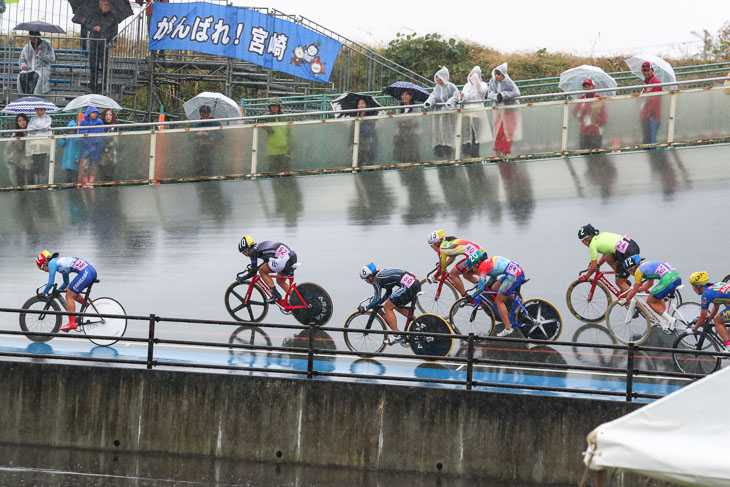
(42, 258)
(246, 243)
(436, 237)
(630, 262)
(367, 271)
(699, 278)
(586, 231)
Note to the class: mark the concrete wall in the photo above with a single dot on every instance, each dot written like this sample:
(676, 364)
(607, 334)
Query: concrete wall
(499, 436)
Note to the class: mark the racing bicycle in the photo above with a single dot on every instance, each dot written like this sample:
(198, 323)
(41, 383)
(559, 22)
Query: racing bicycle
(308, 302)
(437, 295)
(705, 339)
(108, 329)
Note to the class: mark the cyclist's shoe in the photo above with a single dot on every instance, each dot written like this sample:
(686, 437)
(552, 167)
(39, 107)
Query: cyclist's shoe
(505, 332)
(275, 296)
(672, 321)
(402, 341)
(68, 327)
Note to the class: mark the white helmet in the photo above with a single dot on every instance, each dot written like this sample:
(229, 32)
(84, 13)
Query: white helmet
(367, 271)
(436, 237)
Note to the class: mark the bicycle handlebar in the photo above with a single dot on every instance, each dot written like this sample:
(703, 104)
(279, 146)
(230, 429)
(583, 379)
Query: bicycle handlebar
(428, 276)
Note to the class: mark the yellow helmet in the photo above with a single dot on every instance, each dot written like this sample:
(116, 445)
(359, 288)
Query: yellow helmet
(246, 243)
(699, 278)
(436, 237)
(42, 258)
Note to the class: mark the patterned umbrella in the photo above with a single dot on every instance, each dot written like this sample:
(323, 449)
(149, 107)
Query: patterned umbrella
(28, 104)
(395, 90)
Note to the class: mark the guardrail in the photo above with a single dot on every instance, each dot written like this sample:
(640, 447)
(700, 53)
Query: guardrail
(312, 352)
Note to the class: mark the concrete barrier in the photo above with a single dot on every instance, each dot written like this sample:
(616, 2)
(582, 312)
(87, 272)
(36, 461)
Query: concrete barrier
(512, 437)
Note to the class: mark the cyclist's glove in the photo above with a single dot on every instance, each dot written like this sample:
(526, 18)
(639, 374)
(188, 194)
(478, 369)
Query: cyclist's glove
(361, 309)
(40, 295)
(242, 277)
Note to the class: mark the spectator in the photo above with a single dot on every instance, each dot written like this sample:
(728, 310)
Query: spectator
(475, 119)
(207, 142)
(507, 122)
(367, 146)
(443, 97)
(592, 116)
(91, 147)
(651, 106)
(102, 25)
(35, 66)
(277, 139)
(108, 157)
(405, 141)
(71, 154)
(39, 126)
(18, 162)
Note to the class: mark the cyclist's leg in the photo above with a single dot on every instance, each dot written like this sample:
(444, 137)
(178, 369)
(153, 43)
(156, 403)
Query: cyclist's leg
(722, 330)
(73, 293)
(264, 271)
(456, 273)
(507, 284)
(286, 270)
(390, 318)
(622, 275)
(667, 284)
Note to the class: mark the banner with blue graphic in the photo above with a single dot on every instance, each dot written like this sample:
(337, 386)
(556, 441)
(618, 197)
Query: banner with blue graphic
(244, 34)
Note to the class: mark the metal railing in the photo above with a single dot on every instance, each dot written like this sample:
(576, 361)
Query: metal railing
(313, 354)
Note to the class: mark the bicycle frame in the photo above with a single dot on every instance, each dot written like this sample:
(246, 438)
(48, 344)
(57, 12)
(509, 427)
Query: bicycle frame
(601, 277)
(445, 276)
(379, 311)
(283, 303)
(653, 315)
(492, 303)
(57, 295)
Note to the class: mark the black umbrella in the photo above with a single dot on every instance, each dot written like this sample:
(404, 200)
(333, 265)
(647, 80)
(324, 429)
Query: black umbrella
(395, 90)
(82, 9)
(348, 101)
(38, 26)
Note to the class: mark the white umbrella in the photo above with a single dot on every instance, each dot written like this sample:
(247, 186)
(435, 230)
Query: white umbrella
(28, 104)
(572, 79)
(220, 106)
(662, 69)
(99, 101)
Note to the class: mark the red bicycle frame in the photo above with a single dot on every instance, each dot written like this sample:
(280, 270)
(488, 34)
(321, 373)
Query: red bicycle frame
(283, 302)
(601, 276)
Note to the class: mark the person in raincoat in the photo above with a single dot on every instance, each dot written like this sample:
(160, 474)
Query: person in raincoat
(476, 122)
(405, 140)
(277, 139)
(71, 154)
(35, 66)
(18, 162)
(39, 149)
(91, 147)
(592, 116)
(507, 123)
(444, 126)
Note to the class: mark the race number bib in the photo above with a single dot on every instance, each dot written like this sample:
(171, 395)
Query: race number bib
(513, 269)
(469, 249)
(79, 265)
(474, 258)
(282, 251)
(622, 244)
(407, 280)
(663, 269)
(724, 289)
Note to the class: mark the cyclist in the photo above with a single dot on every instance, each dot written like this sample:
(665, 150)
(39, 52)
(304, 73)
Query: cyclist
(505, 276)
(86, 275)
(448, 248)
(277, 257)
(408, 287)
(646, 272)
(716, 294)
(614, 250)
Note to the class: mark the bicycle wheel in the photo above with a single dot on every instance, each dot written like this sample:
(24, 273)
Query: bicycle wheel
(686, 313)
(113, 328)
(726, 278)
(319, 304)
(357, 337)
(43, 323)
(465, 319)
(691, 363)
(542, 320)
(429, 345)
(428, 303)
(625, 328)
(254, 309)
(584, 306)
(597, 336)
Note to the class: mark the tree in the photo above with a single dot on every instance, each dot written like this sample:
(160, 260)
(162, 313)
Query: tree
(427, 54)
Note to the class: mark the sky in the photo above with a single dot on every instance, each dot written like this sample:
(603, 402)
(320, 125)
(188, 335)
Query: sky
(579, 27)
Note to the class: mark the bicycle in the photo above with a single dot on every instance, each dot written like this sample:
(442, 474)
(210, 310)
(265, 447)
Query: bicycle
(632, 322)
(437, 295)
(704, 339)
(359, 339)
(111, 327)
(589, 300)
(537, 318)
(308, 302)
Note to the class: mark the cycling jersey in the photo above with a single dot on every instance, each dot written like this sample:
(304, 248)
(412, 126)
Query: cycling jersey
(716, 293)
(280, 257)
(86, 274)
(449, 249)
(508, 272)
(608, 244)
(388, 279)
(669, 278)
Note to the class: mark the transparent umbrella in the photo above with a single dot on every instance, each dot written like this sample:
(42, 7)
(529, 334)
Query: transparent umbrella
(662, 69)
(572, 79)
(99, 101)
(220, 106)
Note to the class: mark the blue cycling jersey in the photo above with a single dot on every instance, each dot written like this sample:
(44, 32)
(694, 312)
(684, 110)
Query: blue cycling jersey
(717, 293)
(64, 266)
(388, 279)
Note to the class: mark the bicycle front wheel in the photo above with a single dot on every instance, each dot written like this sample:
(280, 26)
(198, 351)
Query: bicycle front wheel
(465, 319)
(254, 309)
(430, 345)
(693, 363)
(439, 305)
(628, 329)
(686, 314)
(319, 304)
(587, 306)
(40, 322)
(540, 320)
(112, 328)
(358, 337)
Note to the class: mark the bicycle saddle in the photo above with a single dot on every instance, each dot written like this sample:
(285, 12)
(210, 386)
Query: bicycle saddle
(294, 266)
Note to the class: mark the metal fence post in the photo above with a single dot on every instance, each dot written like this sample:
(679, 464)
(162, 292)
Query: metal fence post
(52, 161)
(459, 122)
(566, 118)
(470, 362)
(151, 341)
(254, 150)
(310, 353)
(630, 372)
(672, 115)
(153, 150)
(356, 144)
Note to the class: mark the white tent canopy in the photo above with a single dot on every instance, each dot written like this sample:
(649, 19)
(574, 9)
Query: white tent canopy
(681, 438)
